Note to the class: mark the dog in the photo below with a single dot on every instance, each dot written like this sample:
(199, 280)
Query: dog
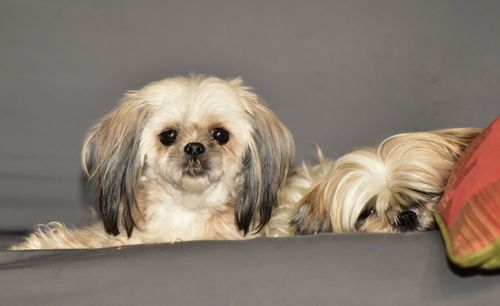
(197, 158)
(186, 158)
(394, 187)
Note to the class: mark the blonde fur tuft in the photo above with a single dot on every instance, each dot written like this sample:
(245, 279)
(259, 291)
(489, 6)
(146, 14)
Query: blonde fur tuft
(371, 188)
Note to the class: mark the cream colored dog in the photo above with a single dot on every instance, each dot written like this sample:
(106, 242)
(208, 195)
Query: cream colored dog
(391, 188)
(186, 158)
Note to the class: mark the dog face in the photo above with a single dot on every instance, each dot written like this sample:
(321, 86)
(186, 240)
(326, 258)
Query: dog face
(198, 137)
(202, 138)
(391, 188)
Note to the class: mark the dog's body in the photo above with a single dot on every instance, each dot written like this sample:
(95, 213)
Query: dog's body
(391, 188)
(186, 159)
(170, 222)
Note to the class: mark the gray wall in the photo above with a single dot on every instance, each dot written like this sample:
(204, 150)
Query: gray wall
(340, 74)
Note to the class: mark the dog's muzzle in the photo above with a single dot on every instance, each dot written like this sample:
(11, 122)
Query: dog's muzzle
(196, 163)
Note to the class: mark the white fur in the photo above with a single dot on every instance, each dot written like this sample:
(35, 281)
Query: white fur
(173, 206)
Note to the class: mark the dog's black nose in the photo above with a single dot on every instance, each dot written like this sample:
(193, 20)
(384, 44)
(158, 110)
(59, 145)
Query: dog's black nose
(194, 149)
(407, 221)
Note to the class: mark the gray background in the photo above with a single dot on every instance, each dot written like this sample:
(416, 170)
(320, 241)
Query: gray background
(340, 74)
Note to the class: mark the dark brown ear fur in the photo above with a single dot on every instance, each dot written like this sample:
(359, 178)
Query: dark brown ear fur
(266, 163)
(111, 157)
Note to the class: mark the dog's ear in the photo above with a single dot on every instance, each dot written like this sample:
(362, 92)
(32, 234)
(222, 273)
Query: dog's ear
(312, 215)
(457, 139)
(265, 164)
(111, 157)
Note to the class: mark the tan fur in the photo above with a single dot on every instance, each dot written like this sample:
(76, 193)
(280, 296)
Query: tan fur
(299, 181)
(406, 172)
(144, 195)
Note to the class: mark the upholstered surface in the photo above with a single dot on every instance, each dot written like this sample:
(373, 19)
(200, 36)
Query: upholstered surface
(342, 269)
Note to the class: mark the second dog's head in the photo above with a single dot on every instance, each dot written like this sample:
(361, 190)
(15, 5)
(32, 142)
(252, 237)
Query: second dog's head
(391, 188)
(193, 135)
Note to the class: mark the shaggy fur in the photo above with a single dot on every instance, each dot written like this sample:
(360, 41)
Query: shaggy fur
(195, 158)
(151, 189)
(391, 188)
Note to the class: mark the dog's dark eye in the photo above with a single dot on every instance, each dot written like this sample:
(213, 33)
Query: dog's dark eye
(365, 214)
(168, 137)
(220, 135)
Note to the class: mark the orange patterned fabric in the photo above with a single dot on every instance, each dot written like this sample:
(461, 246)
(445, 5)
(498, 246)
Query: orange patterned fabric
(469, 212)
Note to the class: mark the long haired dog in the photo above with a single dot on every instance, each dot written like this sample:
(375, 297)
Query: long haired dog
(184, 158)
(391, 188)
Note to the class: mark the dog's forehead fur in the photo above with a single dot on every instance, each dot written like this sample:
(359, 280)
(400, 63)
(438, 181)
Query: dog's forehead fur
(197, 103)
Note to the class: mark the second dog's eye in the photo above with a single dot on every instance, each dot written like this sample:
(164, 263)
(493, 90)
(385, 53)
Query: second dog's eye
(369, 210)
(168, 137)
(364, 215)
(220, 135)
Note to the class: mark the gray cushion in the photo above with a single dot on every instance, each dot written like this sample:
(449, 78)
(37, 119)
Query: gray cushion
(327, 269)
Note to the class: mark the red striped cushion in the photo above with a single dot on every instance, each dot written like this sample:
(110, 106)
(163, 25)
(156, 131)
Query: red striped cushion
(469, 212)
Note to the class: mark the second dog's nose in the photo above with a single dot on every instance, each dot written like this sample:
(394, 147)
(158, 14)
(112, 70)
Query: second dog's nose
(194, 148)
(407, 221)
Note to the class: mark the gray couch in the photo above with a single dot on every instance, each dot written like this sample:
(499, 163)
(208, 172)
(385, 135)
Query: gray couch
(340, 74)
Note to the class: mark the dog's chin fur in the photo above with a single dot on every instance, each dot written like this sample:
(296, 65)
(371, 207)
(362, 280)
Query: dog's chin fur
(391, 188)
(195, 184)
(151, 189)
